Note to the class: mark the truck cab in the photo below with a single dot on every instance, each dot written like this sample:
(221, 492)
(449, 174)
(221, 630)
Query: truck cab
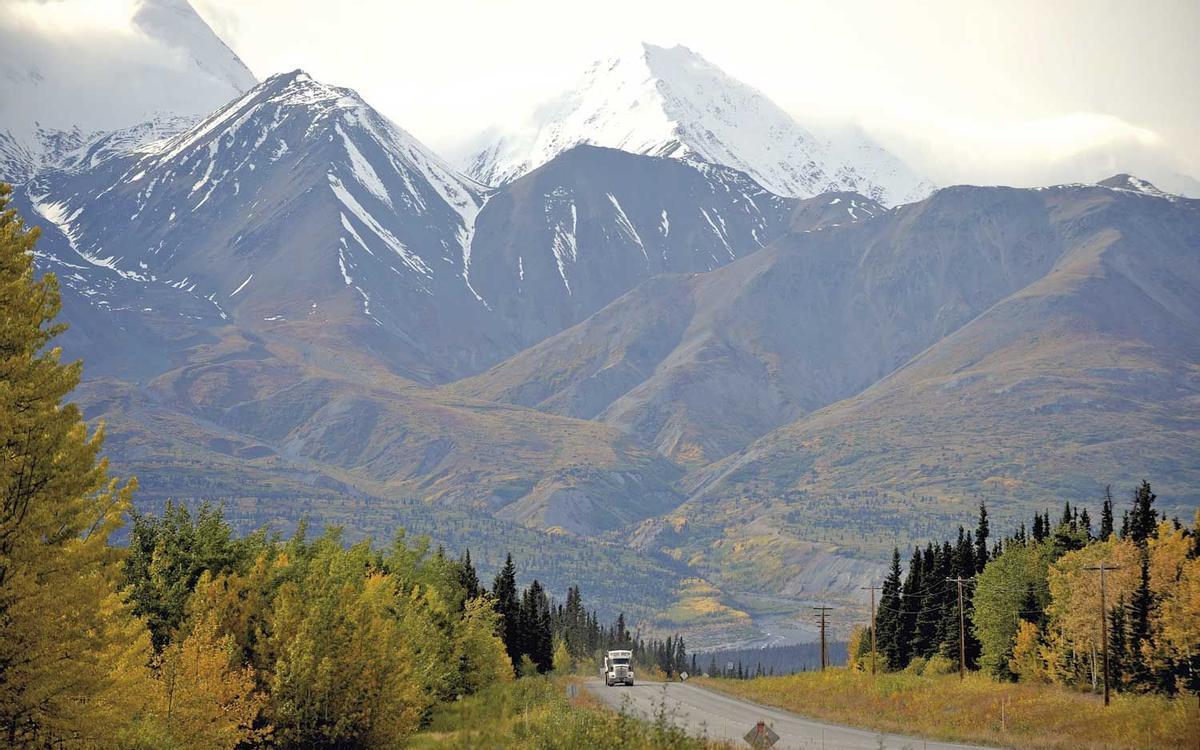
(618, 668)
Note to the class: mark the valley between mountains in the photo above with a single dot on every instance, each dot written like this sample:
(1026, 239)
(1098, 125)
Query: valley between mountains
(716, 367)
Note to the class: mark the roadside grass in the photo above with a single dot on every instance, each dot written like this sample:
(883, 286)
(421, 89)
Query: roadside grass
(534, 713)
(979, 710)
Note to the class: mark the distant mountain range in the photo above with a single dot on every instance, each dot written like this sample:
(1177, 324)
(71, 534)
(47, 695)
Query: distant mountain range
(672, 325)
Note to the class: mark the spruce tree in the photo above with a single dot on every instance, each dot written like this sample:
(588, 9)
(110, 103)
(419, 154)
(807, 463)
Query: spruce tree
(504, 589)
(1143, 522)
(929, 604)
(1118, 643)
(621, 636)
(536, 638)
(888, 616)
(1106, 515)
(910, 602)
(468, 578)
(1141, 607)
(981, 537)
(1039, 529)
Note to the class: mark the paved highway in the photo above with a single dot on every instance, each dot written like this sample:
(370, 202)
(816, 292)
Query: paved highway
(719, 716)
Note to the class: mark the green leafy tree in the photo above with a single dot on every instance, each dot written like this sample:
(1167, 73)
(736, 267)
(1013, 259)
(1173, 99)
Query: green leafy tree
(168, 554)
(1010, 589)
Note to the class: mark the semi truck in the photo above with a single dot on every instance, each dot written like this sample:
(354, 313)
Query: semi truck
(618, 668)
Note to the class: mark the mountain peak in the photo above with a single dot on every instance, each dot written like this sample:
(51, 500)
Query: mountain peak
(1125, 181)
(675, 53)
(671, 101)
(293, 76)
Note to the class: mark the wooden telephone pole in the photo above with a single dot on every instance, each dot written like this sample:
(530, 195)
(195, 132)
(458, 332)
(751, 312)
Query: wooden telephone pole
(821, 612)
(962, 630)
(872, 589)
(1103, 622)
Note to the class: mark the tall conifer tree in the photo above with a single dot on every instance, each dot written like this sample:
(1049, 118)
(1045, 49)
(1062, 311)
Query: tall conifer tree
(1106, 515)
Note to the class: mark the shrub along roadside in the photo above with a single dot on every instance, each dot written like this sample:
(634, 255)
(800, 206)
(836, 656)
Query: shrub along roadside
(978, 709)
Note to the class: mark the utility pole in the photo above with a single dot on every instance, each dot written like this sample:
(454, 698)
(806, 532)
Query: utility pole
(821, 611)
(872, 589)
(1103, 621)
(962, 630)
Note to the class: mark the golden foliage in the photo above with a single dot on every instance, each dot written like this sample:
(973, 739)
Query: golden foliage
(72, 657)
(205, 698)
(1028, 662)
(1075, 596)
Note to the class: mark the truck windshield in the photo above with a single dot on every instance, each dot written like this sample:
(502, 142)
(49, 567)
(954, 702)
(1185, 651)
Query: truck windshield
(622, 662)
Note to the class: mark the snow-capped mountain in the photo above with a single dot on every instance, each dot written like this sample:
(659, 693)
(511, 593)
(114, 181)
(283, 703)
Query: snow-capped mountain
(672, 102)
(295, 203)
(297, 207)
(57, 93)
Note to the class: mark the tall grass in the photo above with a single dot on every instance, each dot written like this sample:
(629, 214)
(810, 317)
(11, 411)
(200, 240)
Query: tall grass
(534, 713)
(979, 710)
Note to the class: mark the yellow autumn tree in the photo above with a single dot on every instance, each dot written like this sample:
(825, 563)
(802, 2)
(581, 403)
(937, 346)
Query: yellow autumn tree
(1027, 661)
(206, 700)
(1073, 630)
(1175, 580)
(72, 657)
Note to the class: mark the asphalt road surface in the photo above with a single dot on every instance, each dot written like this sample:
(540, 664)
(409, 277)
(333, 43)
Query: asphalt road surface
(704, 712)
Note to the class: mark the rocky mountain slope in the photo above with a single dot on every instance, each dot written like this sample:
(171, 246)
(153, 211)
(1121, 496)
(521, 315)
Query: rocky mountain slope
(1087, 371)
(699, 365)
(672, 102)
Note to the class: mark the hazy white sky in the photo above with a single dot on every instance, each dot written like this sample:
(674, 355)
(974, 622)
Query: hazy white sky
(1017, 92)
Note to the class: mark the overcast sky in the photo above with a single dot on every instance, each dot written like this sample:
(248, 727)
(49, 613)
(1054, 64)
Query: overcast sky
(1016, 92)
